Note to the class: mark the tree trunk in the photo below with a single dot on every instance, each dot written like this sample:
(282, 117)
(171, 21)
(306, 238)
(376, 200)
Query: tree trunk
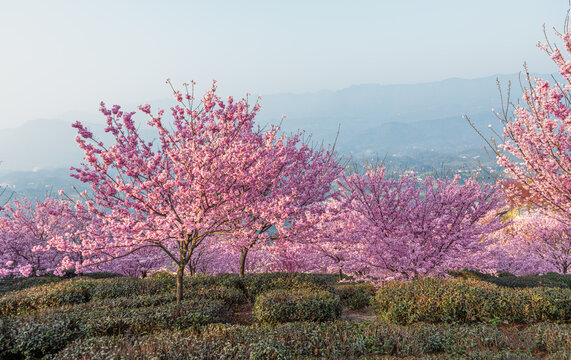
(179, 284)
(191, 270)
(243, 261)
(340, 274)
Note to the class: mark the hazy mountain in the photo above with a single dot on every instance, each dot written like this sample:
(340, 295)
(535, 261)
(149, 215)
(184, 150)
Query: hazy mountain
(415, 125)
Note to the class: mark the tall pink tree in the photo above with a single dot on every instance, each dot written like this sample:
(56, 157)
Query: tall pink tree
(535, 148)
(404, 227)
(290, 181)
(211, 174)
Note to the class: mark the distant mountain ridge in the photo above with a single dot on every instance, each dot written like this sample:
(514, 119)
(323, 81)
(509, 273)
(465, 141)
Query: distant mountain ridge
(400, 120)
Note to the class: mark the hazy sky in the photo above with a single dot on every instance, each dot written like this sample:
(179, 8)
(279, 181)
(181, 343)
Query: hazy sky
(62, 56)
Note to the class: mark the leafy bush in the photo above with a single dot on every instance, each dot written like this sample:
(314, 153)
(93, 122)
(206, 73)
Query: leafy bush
(9, 284)
(116, 321)
(278, 306)
(125, 286)
(458, 300)
(355, 296)
(34, 337)
(45, 296)
(328, 340)
(509, 280)
(256, 284)
(228, 280)
(548, 337)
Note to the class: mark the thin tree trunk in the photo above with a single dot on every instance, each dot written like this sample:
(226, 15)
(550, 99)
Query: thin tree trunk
(340, 274)
(243, 261)
(191, 270)
(179, 284)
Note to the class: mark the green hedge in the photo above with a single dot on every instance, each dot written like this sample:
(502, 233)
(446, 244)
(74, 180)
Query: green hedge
(35, 335)
(48, 292)
(45, 296)
(509, 280)
(328, 340)
(256, 284)
(355, 296)
(279, 306)
(460, 300)
(77, 291)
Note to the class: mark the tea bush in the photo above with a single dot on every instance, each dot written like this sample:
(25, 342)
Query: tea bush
(278, 306)
(256, 284)
(328, 340)
(35, 335)
(459, 300)
(355, 296)
(45, 296)
(509, 280)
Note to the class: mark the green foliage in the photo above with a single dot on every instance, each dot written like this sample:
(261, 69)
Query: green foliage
(45, 296)
(552, 280)
(548, 337)
(279, 306)
(355, 296)
(38, 334)
(328, 340)
(465, 301)
(131, 318)
(34, 337)
(256, 284)
(125, 286)
(9, 284)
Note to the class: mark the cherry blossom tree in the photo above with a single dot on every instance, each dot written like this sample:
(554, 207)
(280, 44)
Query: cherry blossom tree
(535, 147)
(404, 227)
(533, 243)
(26, 231)
(211, 174)
(292, 181)
(327, 238)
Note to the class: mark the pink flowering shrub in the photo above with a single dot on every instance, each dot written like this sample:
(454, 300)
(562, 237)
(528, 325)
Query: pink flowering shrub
(403, 227)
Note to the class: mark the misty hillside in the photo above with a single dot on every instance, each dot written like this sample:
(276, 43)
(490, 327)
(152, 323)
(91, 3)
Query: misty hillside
(415, 125)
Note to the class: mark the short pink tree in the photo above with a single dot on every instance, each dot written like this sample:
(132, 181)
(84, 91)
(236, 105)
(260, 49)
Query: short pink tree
(533, 243)
(211, 174)
(330, 239)
(27, 230)
(405, 227)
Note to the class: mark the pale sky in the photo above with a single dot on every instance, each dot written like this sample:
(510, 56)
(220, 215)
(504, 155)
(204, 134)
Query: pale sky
(58, 57)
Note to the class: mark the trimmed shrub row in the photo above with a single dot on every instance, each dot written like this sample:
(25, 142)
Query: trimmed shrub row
(33, 336)
(356, 296)
(10, 283)
(553, 280)
(50, 292)
(329, 340)
(256, 284)
(463, 300)
(279, 306)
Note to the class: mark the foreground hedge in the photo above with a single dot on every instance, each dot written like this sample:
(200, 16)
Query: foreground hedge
(279, 306)
(43, 333)
(256, 284)
(464, 300)
(509, 280)
(331, 340)
(355, 296)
